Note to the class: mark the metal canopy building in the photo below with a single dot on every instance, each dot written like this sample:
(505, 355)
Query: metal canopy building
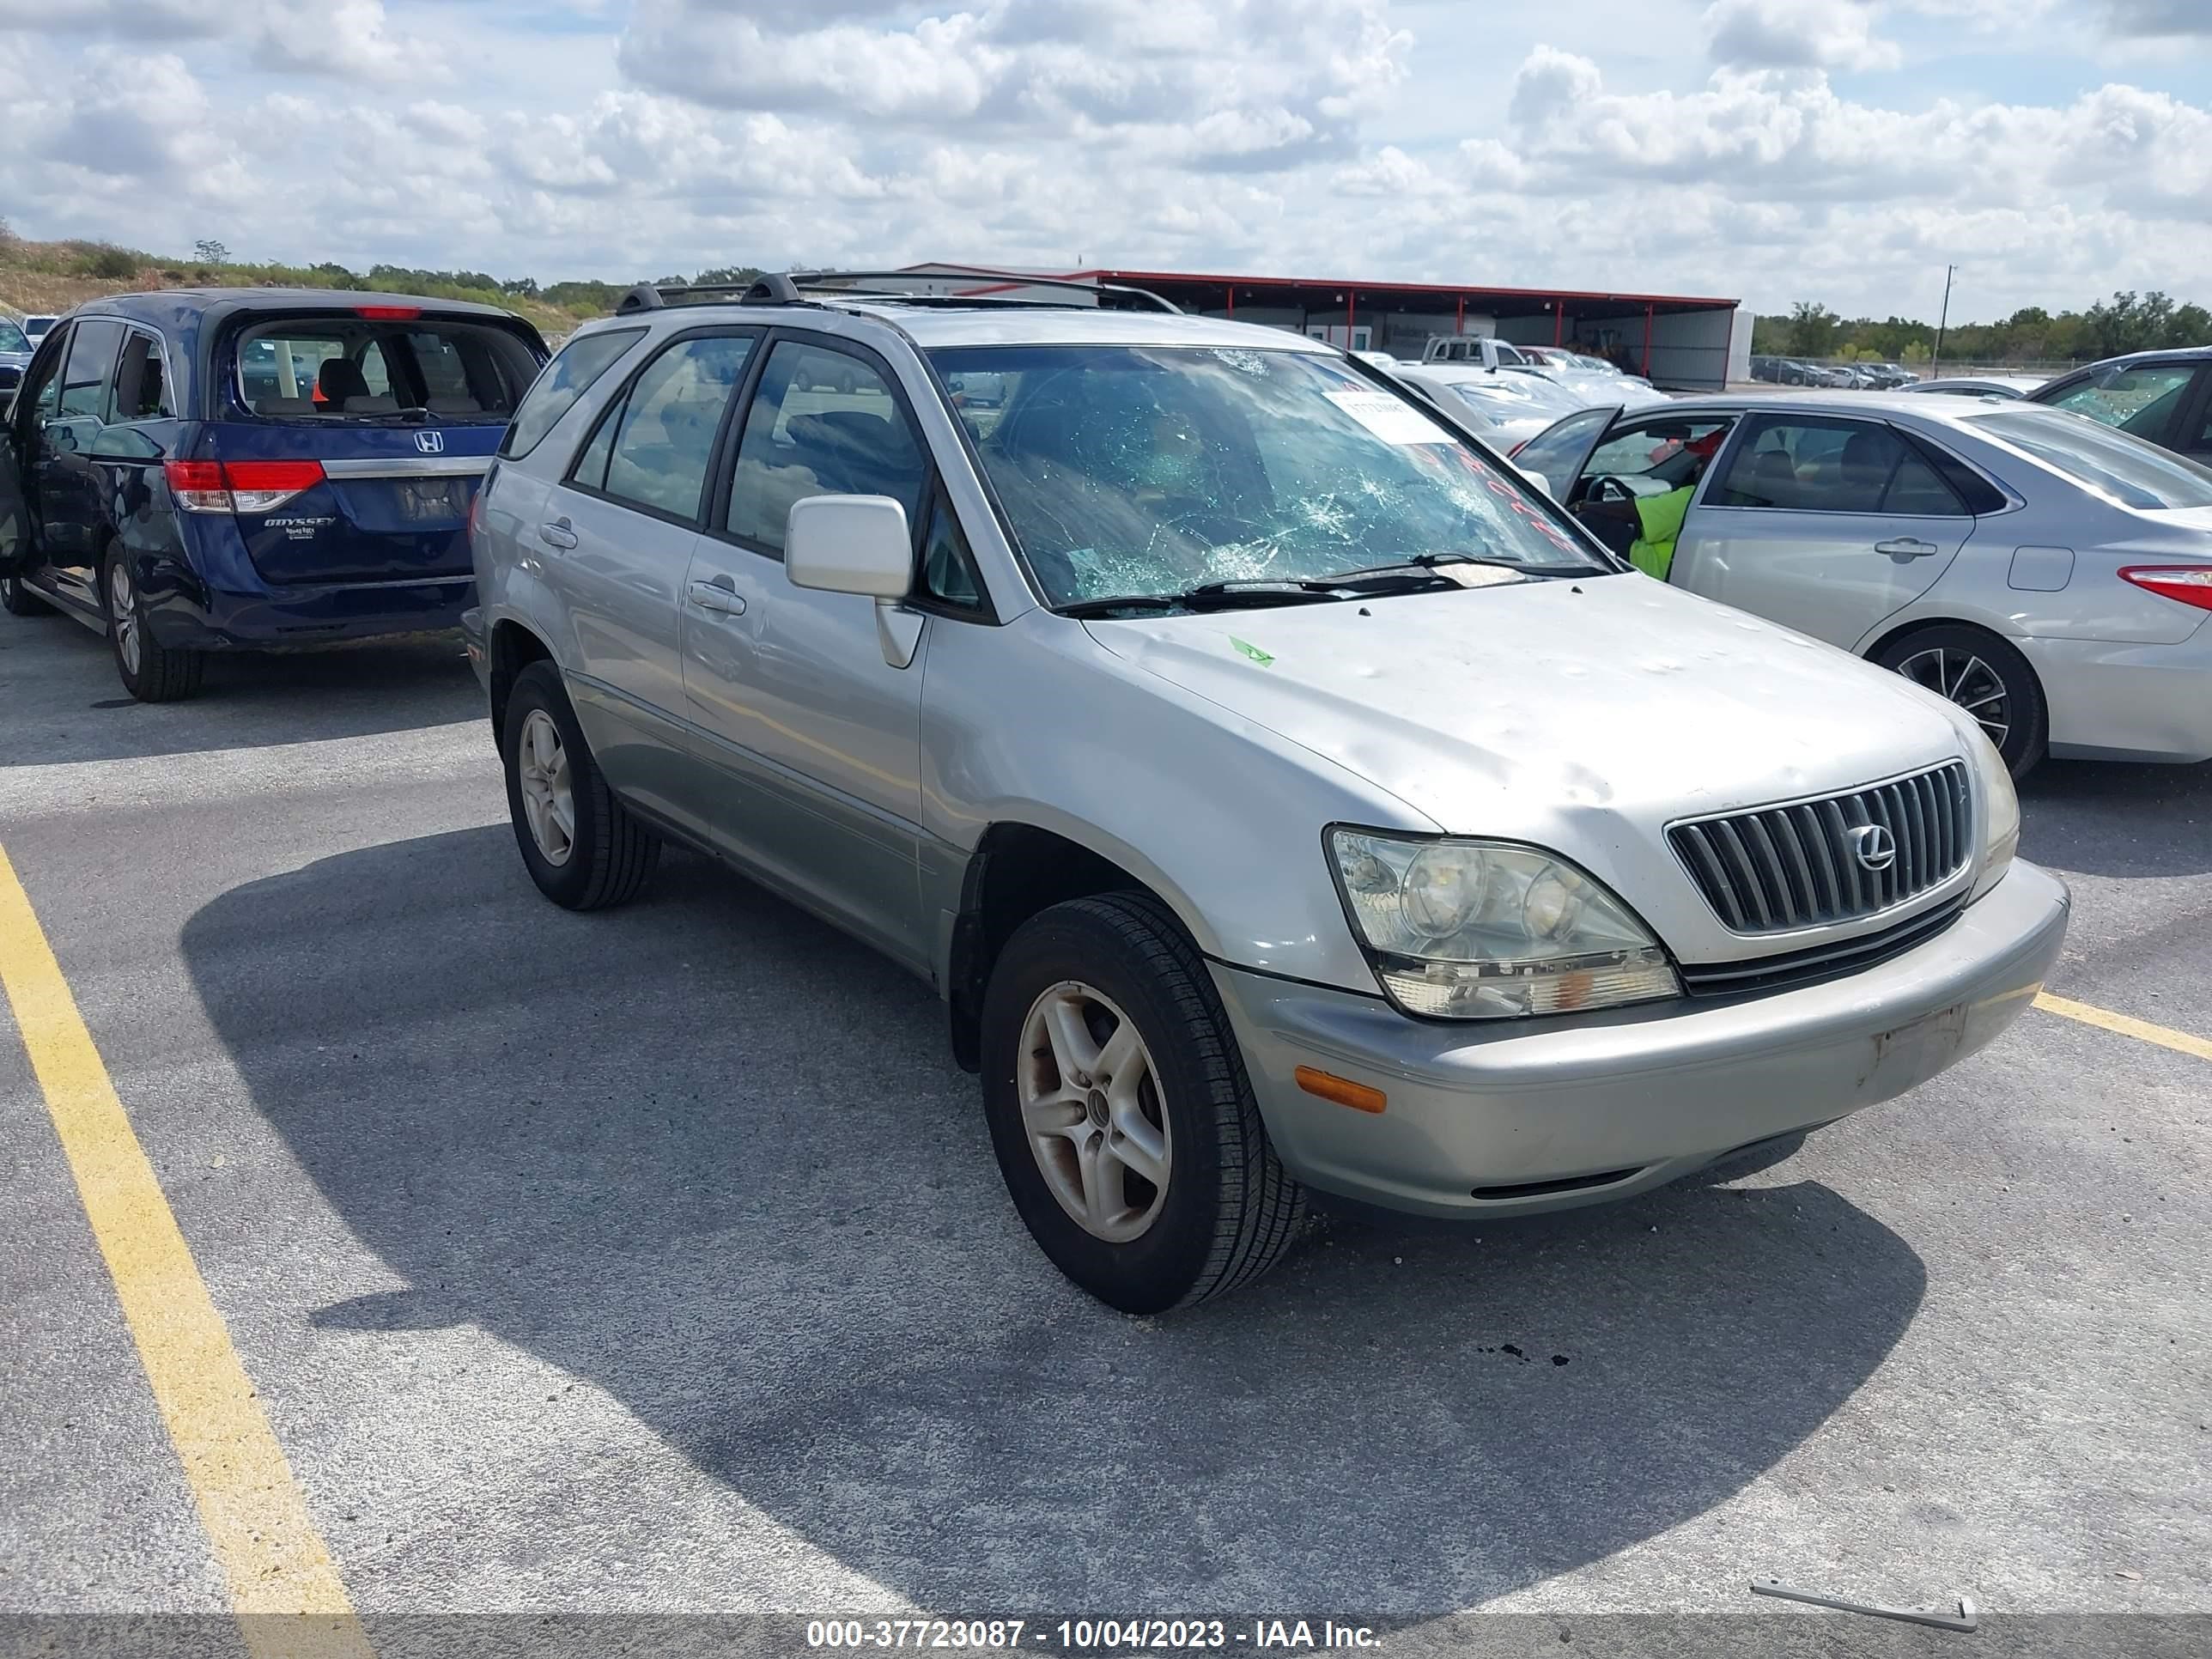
(1678, 340)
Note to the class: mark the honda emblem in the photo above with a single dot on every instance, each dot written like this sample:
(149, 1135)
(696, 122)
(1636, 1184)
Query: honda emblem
(430, 443)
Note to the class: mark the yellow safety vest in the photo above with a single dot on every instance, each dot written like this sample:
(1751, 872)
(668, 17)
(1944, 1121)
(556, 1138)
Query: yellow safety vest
(1660, 518)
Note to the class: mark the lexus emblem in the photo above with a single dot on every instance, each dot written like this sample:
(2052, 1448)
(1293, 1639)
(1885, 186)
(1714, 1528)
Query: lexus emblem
(1873, 846)
(430, 443)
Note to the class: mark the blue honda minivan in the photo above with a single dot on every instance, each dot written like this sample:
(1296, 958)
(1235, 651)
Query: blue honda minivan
(189, 471)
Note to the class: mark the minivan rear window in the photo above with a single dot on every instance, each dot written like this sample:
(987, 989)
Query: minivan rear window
(357, 368)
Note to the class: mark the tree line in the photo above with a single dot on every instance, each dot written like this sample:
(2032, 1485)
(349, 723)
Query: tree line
(2127, 322)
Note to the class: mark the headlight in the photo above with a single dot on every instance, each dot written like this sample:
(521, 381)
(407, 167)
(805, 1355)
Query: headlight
(2001, 833)
(1481, 930)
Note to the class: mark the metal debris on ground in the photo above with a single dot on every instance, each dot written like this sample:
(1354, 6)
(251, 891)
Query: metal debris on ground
(1965, 1620)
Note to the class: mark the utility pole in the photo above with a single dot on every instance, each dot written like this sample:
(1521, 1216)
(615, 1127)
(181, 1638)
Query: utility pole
(1936, 361)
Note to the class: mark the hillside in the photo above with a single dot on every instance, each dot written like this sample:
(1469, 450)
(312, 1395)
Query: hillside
(55, 276)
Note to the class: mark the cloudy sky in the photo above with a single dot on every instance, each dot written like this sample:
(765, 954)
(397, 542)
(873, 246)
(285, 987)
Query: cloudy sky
(1841, 150)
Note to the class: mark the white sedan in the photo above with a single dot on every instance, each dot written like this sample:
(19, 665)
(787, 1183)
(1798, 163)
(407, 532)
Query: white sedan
(2050, 575)
(1507, 409)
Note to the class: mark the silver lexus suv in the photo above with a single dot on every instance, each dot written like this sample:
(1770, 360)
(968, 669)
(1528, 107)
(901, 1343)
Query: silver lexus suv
(1280, 790)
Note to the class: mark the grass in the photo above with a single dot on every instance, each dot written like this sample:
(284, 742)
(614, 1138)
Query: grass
(54, 277)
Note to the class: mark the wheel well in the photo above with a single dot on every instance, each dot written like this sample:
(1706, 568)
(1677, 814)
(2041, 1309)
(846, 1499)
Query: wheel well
(513, 648)
(1922, 624)
(1016, 871)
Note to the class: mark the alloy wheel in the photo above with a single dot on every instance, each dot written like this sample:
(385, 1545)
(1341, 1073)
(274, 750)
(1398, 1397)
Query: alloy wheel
(1966, 680)
(549, 804)
(1090, 1105)
(123, 614)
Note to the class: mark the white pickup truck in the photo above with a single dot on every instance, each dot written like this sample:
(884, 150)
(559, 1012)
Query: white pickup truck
(1475, 351)
(1587, 385)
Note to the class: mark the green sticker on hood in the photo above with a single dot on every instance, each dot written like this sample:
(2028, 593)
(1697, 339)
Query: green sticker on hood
(1252, 650)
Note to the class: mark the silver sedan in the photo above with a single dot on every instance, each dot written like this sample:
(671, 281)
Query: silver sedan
(2050, 575)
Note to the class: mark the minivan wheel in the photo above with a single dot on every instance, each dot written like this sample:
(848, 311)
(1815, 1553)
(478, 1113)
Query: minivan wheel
(1120, 1113)
(583, 847)
(151, 672)
(1984, 676)
(18, 600)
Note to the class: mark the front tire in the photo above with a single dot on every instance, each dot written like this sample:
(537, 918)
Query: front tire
(1986, 677)
(150, 671)
(1121, 1112)
(582, 847)
(18, 600)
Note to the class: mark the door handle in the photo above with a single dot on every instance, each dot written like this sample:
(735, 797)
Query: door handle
(558, 534)
(1904, 547)
(719, 598)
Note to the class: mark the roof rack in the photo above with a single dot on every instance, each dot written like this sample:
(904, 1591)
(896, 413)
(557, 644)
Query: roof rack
(830, 279)
(781, 289)
(774, 289)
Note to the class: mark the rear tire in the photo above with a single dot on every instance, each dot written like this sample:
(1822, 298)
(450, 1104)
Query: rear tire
(583, 847)
(18, 600)
(1223, 1209)
(1984, 674)
(150, 671)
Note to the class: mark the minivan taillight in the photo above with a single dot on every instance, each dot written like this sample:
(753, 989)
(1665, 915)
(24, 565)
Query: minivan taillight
(2191, 584)
(238, 486)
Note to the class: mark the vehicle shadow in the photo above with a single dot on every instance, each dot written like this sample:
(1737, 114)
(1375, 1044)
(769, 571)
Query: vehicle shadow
(2096, 818)
(65, 703)
(708, 1155)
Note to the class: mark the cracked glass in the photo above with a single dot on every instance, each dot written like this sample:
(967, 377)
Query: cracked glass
(1152, 470)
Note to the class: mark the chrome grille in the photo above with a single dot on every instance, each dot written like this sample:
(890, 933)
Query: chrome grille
(1798, 865)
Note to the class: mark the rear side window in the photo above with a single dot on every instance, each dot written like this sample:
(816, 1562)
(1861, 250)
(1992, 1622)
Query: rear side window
(142, 391)
(566, 378)
(359, 368)
(652, 449)
(1836, 466)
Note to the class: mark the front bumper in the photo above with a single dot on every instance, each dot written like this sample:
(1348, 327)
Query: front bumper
(1485, 1119)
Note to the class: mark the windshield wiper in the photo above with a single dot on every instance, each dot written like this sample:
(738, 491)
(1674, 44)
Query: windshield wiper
(1244, 594)
(1424, 564)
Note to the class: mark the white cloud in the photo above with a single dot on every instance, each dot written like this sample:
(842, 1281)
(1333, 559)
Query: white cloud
(1238, 83)
(1797, 34)
(326, 37)
(334, 37)
(1304, 137)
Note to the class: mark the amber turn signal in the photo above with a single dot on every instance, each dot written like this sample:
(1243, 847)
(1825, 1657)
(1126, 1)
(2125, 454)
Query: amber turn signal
(1343, 1090)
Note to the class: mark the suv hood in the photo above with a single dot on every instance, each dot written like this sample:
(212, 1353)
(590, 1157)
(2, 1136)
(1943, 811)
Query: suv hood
(1495, 710)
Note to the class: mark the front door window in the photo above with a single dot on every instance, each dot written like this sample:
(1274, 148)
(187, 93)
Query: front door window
(2142, 399)
(823, 423)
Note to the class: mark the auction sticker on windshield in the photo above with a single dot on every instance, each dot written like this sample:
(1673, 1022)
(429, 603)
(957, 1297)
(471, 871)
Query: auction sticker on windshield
(1391, 419)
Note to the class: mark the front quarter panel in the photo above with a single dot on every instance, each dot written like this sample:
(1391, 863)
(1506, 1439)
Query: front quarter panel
(1034, 723)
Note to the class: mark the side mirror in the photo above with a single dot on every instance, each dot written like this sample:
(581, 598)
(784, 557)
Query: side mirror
(858, 545)
(849, 544)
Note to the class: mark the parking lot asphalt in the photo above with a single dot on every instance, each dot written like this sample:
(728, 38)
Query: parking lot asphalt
(656, 1259)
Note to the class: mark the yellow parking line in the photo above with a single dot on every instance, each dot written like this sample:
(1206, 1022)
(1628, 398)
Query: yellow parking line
(2165, 1037)
(284, 1590)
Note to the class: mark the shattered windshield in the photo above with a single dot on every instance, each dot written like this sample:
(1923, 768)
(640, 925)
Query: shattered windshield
(1154, 470)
